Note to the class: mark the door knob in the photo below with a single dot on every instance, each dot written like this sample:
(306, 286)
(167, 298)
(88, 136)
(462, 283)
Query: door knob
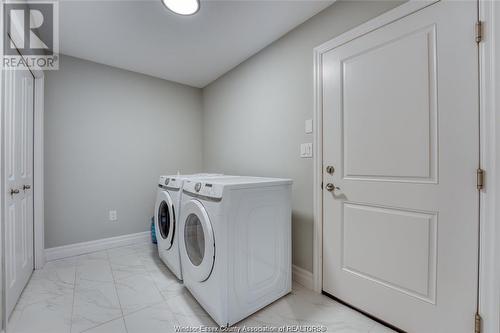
(331, 187)
(26, 187)
(14, 191)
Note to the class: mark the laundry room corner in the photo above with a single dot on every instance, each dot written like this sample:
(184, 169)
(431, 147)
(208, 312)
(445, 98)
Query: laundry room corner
(109, 133)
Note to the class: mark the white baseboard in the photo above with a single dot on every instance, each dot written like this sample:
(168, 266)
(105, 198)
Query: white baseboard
(72, 250)
(302, 277)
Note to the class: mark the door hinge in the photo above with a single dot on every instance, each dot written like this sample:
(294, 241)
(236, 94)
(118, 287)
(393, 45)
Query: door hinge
(479, 31)
(477, 323)
(480, 178)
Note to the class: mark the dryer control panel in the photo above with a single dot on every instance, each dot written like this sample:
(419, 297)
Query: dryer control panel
(203, 189)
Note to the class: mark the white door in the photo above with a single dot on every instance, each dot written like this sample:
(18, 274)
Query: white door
(19, 181)
(400, 117)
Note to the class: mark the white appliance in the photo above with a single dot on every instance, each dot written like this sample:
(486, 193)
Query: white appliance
(235, 244)
(167, 211)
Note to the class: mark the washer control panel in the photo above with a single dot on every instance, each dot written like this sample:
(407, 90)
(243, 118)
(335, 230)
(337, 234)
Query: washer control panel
(170, 181)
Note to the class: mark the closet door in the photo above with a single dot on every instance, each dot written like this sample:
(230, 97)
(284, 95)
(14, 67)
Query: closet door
(19, 91)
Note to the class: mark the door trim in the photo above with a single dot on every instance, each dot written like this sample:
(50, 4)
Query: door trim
(489, 264)
(38, 160)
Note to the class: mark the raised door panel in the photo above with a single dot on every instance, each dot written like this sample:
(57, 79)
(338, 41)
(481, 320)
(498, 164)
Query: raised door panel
(389, 109)
(393, 247)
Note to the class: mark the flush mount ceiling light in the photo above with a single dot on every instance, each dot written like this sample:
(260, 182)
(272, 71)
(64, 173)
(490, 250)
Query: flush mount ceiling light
(182, 7)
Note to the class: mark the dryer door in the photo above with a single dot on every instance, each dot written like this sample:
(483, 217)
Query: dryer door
(198, 241)
(165, 220)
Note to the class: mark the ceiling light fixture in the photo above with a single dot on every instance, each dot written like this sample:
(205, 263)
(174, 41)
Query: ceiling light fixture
(182, 7)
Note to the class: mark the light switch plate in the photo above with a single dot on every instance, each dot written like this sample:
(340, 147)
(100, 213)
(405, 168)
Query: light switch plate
(306, 150)
(309, 126)
(113, 215)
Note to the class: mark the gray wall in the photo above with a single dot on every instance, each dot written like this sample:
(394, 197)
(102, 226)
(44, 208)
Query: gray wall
(254, 115)
(109, 134)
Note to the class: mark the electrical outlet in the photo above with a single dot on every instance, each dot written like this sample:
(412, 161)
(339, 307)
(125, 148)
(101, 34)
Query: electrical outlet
(113, 215)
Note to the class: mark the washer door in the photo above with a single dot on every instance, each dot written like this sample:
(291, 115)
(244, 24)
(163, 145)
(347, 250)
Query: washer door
(199, 242)
(165, 220)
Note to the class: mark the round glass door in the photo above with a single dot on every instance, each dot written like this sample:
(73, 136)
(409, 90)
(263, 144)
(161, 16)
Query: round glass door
(198, 241)
(165, 220)
(194, 239)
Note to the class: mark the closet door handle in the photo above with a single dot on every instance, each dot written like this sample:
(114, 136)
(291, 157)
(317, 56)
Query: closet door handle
(14, 191)
(331, 187)
(26, 187)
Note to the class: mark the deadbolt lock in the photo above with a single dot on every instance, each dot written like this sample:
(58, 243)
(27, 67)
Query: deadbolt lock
(330, 169)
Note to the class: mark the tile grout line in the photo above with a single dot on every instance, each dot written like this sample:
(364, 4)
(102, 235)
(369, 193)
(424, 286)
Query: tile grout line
(74, 293)
(114, 283)
(153, 280)
(149, 274)
(174, 313)
(165, 300)
(99, 325)
(116, 291)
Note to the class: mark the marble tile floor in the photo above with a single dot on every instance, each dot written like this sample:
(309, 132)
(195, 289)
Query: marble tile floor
(129, 290)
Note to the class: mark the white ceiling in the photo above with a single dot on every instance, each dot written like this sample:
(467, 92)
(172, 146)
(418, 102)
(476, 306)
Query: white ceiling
(143, 36)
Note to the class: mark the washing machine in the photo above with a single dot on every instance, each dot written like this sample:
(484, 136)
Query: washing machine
(235, 244)
(167, 209)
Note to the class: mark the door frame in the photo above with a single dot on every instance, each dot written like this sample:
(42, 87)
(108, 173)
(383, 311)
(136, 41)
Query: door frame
(38, 173)
(38, 189)
(489, 265)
